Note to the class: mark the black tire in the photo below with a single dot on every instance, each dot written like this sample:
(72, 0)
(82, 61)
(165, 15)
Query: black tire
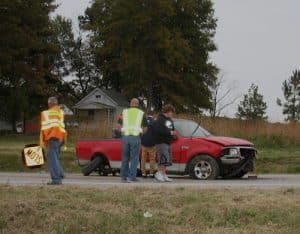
(92, 166)
(101, 173)
(249, 168)
(104, 169)
(204, 167)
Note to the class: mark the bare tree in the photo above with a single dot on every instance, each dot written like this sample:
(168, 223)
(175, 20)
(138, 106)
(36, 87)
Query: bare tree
(222, 96)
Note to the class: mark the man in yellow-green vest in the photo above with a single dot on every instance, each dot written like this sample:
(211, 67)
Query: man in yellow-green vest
(133, 123)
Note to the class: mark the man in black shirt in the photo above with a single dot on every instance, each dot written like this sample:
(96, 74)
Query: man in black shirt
(148, 147)
(164, 135)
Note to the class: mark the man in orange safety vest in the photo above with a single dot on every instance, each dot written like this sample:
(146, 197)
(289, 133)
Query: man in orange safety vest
(52, 137)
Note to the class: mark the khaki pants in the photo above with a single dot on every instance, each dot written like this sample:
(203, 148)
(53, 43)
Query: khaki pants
(151, 152)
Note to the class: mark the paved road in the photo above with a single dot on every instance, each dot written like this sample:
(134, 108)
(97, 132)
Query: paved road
(263, 181)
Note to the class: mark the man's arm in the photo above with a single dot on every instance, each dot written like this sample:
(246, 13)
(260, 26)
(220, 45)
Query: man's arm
(42, 143)
(161, 128)
(144, 124)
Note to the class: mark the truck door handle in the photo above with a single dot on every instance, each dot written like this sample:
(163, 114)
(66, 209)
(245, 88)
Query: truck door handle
(185, 147)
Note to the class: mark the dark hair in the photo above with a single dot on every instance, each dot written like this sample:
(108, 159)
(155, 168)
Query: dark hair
(168, 108)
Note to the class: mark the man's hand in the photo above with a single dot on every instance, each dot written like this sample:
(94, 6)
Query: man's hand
(42, 145)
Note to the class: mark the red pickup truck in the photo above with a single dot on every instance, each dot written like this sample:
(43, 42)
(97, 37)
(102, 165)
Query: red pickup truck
(196, 153)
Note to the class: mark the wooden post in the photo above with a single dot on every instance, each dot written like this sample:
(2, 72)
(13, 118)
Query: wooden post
(108, 116)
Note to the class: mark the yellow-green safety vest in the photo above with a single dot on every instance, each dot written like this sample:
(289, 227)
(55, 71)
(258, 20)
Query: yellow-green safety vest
(132, 122)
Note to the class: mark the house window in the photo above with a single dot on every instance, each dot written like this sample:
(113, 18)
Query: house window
(98, 96)
(91, 113)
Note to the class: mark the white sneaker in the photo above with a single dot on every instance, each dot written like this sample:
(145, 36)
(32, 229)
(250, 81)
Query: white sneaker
(167, 179)
(159, 177)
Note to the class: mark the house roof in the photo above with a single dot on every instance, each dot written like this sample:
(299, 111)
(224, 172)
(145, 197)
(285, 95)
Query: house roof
(102, 99)
(66, 109)
(119, 98)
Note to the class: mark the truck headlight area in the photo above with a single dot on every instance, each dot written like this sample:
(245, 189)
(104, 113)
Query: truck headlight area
(234, 152)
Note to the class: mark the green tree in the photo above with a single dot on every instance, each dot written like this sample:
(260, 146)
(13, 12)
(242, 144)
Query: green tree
(252, 107)
(75, 63)
(25, 56)
(291, 92)
(63, 39)
(157, 50)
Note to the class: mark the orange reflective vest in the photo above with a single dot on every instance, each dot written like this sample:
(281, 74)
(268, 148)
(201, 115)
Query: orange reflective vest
(52, 125)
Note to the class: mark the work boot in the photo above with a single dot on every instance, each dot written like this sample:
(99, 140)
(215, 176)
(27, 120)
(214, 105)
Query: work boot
(124, 180)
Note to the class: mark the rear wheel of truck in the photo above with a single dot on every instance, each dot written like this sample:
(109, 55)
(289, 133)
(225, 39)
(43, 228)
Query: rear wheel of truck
(204, 167)
(92, 166)
(104, 169)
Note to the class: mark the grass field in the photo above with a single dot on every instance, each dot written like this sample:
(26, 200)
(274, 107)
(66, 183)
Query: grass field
(112, 210)
(10, 154)
(271, 159)
(179, 210)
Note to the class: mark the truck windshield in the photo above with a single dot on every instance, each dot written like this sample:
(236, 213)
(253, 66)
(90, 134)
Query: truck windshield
(188, 128)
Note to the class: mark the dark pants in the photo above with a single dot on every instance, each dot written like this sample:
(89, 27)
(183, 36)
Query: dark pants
(55, 169)
(130, 152)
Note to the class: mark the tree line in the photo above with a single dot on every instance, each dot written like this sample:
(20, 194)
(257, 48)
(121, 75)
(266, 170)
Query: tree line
(157, 50)
(253, 106)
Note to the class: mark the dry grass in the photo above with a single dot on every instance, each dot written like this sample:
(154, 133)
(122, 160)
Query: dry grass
(101, 132)
(119, 210)
(261, 132)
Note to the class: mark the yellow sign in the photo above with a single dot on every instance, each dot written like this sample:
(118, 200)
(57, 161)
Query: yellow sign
(33, 156)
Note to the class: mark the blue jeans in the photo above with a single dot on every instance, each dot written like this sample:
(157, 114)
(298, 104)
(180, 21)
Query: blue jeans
(55, 169)
(130, 152)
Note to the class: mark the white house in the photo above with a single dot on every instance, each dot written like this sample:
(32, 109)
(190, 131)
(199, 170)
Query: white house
(100, 107)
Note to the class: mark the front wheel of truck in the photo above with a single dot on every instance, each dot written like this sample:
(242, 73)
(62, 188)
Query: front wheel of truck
(204, 167)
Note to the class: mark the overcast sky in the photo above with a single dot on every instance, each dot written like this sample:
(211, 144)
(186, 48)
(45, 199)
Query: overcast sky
(258, 42)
